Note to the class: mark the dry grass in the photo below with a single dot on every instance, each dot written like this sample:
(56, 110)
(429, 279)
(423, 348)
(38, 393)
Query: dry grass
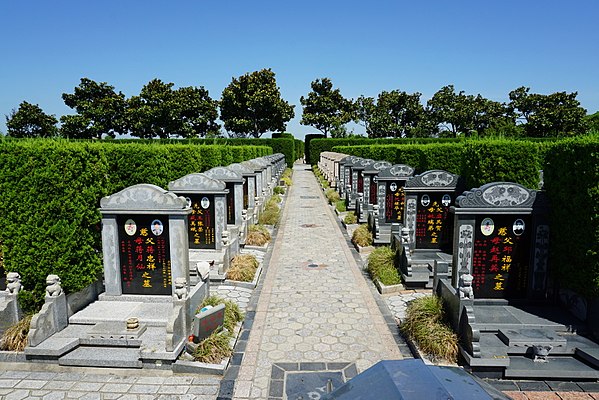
(15, 337)
(362, 236)
(257, 236)
(332, 196)
(350, 218)
(425, 325)
(286, 176)
(272, 213)
(243, 268)
(214, 348)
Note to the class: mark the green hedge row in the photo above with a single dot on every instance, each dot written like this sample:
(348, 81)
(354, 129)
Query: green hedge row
(317, 144)
(51, 192)
(571, 177)
(286, 145)
(477, 161)
(572, 184)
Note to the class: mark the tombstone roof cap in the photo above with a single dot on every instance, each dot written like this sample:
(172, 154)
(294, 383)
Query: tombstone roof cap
(198, 183)
(376, 166)
(240, 168)
(435, 178)
(225, 174)
(397, 171)
(497, 195)
(144, 198)
(253, 165)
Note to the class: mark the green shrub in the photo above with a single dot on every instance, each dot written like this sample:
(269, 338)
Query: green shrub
(286, 177)
(381, 266)
(278, 190)
(425, 325)
(272, 213)
(51, 190)
(350, 218)
(332, 196)
(340, 205)
(362, 236)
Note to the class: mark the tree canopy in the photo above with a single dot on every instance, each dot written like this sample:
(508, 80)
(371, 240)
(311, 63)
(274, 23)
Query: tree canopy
(252, 105)
(325, 108)
(30, 121)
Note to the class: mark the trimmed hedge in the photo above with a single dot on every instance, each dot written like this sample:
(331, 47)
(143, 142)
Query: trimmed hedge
(477, 161)
(51, 191)
(572, 184)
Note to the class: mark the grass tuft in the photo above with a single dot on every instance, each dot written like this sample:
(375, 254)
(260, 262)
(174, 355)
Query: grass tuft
(381, 266)
(350, 218)
(15, 337)
(286, 176)
(279, 190)
(425, 325)
(362, 236)
(258, 235)
(332, 196)
(272, 213)
(243, 268)
(340, 205)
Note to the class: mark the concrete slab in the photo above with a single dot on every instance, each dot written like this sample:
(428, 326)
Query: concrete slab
(102, 357)
(556, 368)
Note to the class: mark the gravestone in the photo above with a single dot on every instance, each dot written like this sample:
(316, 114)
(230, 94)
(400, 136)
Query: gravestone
(369, 197)
(389, 210)
(208, 321)
(207, 199)
(502, 240)
(144, 241)
(234, 184)
(249, 184)
(354, 184)
(427, 236)
(346, 175)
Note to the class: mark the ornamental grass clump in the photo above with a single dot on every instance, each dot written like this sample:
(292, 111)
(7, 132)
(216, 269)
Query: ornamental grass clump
(286, 177)
(15, 337)
(332, 196)
(278, 190)
(340, 205)
(362, 236)
(381, 266)
(426, 326)
(271, 213)
(350, 218)
(243, 268)
(217, 346)
(258, 235)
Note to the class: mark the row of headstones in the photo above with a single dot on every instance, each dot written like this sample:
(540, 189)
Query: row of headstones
(497, 235)
(147, 231)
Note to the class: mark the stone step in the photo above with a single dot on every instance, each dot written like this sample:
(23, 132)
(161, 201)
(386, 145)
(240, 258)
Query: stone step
(52, 348)
(590, 355)
(120, 357)
(520, 341)
(420, 276)
(557, 367)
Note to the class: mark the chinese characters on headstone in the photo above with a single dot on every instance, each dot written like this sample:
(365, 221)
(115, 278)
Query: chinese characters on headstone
(201, 222)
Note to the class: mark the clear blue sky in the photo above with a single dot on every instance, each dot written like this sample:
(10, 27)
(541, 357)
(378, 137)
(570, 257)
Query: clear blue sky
(486, 47)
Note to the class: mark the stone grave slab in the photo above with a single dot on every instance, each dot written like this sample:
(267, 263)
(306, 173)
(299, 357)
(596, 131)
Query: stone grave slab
(309, 385)
(556, 367)
(520, 341)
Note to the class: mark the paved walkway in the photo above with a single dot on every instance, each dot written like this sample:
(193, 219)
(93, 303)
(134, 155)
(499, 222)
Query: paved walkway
(315, 304)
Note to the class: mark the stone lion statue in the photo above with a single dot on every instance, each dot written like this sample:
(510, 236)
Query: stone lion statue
(180, 289)
(53, 288)
(13, 283)
(466, 289)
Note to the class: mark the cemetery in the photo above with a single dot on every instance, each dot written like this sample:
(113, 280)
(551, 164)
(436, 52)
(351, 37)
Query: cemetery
(171, 246)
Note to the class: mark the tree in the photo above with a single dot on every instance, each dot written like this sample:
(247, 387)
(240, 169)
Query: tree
(29, 121)
(397, 114)
(592, 121)
(252, 105)
(462, 114)
(326, 109)
(556, 114)
(197, 112)
(152, 113)
(100, 111)
(364, 107)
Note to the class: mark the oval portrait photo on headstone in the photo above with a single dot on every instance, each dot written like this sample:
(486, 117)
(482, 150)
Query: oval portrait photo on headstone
(425, 200)
(205, 203)
(130, 227)
(157, 227)
(446, 200)
(518, 227)
(393, 187)
(487, 226)
(188, 202)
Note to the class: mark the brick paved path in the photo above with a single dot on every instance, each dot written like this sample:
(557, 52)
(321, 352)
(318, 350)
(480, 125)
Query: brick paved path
(315, 304)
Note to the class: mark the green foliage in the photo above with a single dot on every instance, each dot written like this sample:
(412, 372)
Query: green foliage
(381, 266)
(572, 185)
(340, 206)
(332, 196)
(350, 218)
(30, 121)
(307, 139)
(51, 191)
(362, 236)
(324, 108)
(252, 104)
(555, 115)
(424, 323)
(278, 190)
